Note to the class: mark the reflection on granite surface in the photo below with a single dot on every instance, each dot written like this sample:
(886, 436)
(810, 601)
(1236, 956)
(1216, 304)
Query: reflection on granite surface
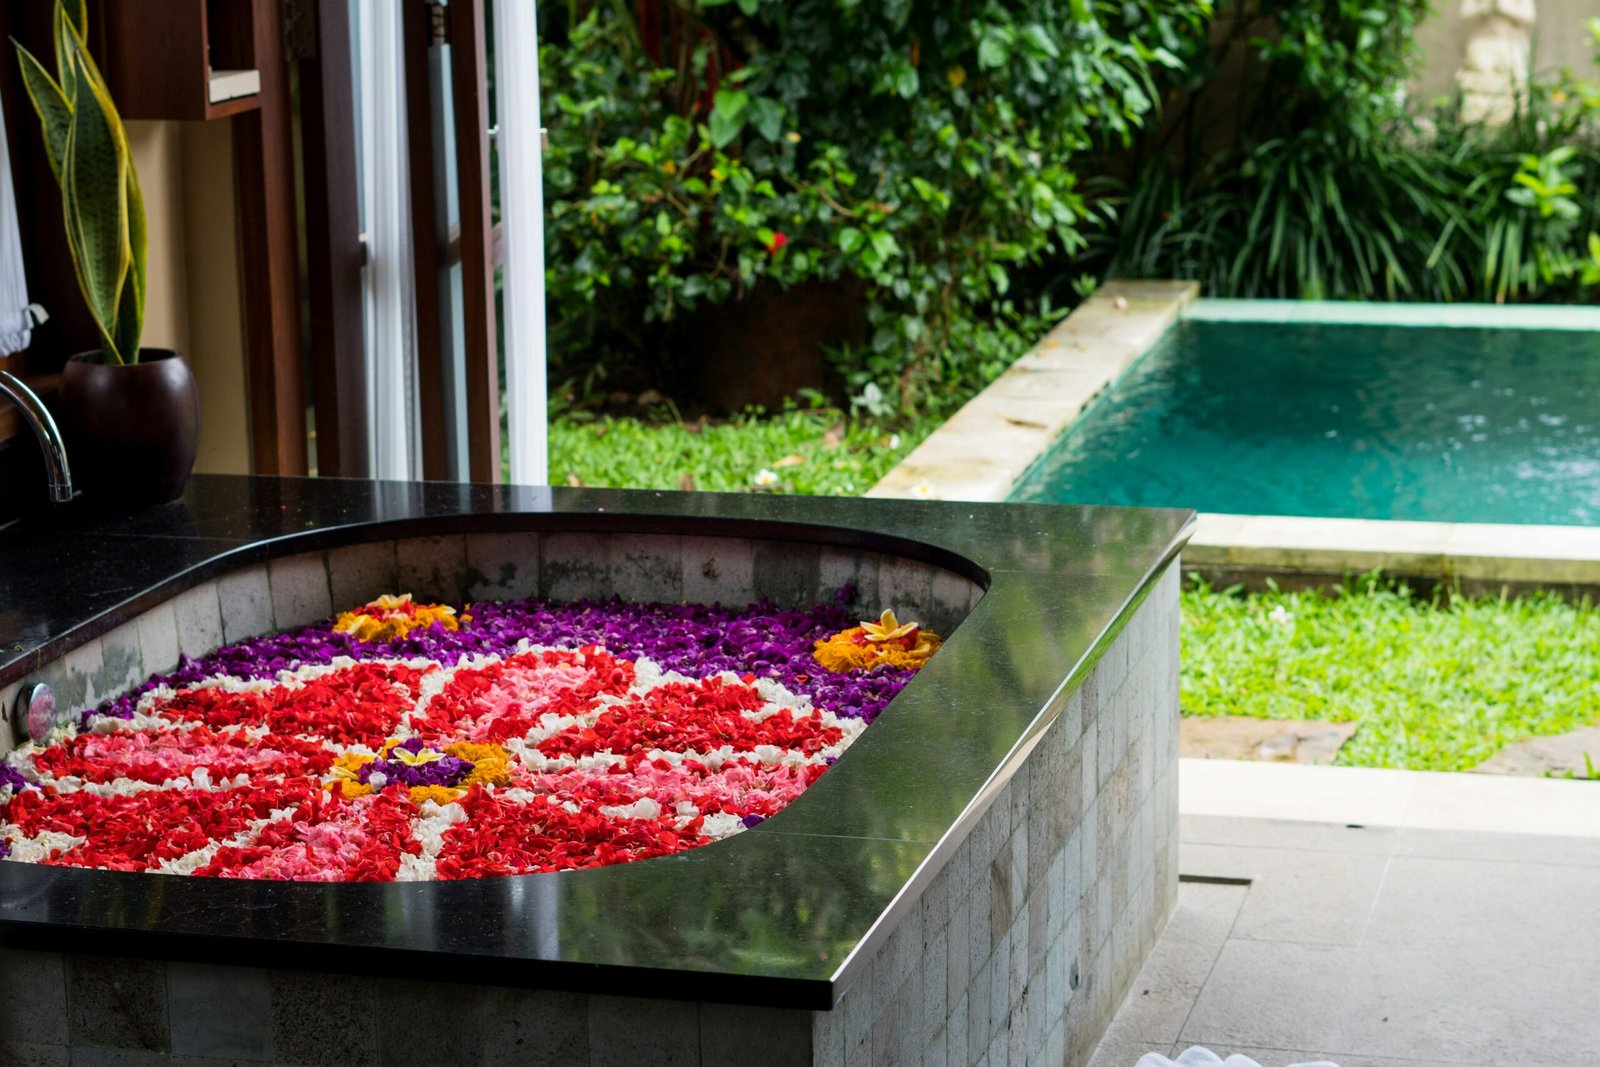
(768, 916)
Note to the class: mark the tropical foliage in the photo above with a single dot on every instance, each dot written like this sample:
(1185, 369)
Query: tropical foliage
(926, 152)
(1294, 167)
(90, 158)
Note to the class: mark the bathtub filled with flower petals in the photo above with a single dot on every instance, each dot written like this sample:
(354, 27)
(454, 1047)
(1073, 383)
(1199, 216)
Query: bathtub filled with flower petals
(1012, 804)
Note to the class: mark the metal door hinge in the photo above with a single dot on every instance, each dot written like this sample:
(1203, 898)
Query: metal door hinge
(438, 24)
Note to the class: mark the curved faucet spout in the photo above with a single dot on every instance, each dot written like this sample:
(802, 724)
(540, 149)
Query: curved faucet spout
(36, 415)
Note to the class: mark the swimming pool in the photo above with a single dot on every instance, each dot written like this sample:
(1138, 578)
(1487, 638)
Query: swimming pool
(1395, 417)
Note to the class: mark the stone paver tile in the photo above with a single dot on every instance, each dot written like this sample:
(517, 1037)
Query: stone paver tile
(1348, 1060)
(1245, 737)
(1295, 894)
(1204, 913)
(1266, 1057)
(1477, 904)
(1165, 989)
(1547, 757)
(1504, 848)
(1453, 1000)
(1272, 994)
(1122, 1049)
(1283, 833)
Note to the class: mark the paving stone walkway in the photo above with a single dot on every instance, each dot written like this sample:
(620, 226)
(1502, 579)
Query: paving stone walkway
(1575, 754)
(1402, 945)
(1245, 737)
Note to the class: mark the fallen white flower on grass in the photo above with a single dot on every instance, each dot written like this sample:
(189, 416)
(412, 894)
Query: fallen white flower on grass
(765, 478)
(1281, 617)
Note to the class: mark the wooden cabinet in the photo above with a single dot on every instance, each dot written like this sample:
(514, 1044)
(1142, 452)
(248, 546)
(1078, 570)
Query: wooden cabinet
(179, 59)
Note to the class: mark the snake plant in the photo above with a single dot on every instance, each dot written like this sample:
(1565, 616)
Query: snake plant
(89, 155)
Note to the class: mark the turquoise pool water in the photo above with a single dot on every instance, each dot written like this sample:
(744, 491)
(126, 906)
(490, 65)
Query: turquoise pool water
(1376, 422)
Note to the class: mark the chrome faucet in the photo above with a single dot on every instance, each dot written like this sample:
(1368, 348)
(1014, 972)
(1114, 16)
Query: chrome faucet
(44, 428)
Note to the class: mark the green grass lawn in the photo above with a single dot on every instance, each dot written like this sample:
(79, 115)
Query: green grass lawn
(814, 451)
(1433, 687)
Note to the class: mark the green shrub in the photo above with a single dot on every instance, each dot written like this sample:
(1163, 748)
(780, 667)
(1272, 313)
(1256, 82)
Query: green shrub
(1306, 175)
(927, 151)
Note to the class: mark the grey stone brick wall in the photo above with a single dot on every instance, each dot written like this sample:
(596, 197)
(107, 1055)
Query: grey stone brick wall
(1028, 939)
(1016, 953)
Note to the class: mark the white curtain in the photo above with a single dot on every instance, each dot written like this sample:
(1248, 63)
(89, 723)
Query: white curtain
(518, 143)
(392, 404)
(16, 318)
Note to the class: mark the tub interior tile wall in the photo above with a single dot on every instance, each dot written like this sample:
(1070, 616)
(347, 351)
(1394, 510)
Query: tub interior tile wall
(301, 589)
(1017, 951)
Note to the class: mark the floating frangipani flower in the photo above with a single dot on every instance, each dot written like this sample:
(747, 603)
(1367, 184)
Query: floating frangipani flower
(886, 641)
(888, 628)
(415, 759)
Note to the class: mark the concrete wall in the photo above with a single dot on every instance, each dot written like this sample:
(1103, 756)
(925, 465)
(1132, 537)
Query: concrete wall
(194, 301)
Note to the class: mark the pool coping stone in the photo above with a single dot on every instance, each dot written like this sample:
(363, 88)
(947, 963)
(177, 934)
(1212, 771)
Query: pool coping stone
(981, 451)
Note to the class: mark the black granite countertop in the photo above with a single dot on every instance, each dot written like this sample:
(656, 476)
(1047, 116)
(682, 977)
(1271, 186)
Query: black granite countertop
(777, 915)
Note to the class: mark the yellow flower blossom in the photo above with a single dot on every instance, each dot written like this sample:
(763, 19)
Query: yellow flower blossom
(491, 764)
(346, 775)
(395, 616)
(439, 794)
(887, 641)
(887, 628)
(414, 759)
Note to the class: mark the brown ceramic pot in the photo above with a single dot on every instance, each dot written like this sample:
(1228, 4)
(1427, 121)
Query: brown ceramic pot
(132, 429)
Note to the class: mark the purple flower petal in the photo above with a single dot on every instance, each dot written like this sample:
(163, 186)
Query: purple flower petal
(694, 639)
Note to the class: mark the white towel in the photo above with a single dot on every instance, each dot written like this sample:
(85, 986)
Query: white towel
(1199, 1057)
(17, 318)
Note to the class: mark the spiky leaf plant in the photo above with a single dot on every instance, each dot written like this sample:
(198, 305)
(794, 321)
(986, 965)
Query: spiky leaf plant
(89, 155)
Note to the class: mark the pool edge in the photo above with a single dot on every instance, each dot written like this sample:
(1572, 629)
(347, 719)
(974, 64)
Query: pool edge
(987, 447)
(981, 451)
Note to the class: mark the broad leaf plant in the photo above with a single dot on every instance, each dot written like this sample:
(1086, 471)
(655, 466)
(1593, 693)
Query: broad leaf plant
(89, 155)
